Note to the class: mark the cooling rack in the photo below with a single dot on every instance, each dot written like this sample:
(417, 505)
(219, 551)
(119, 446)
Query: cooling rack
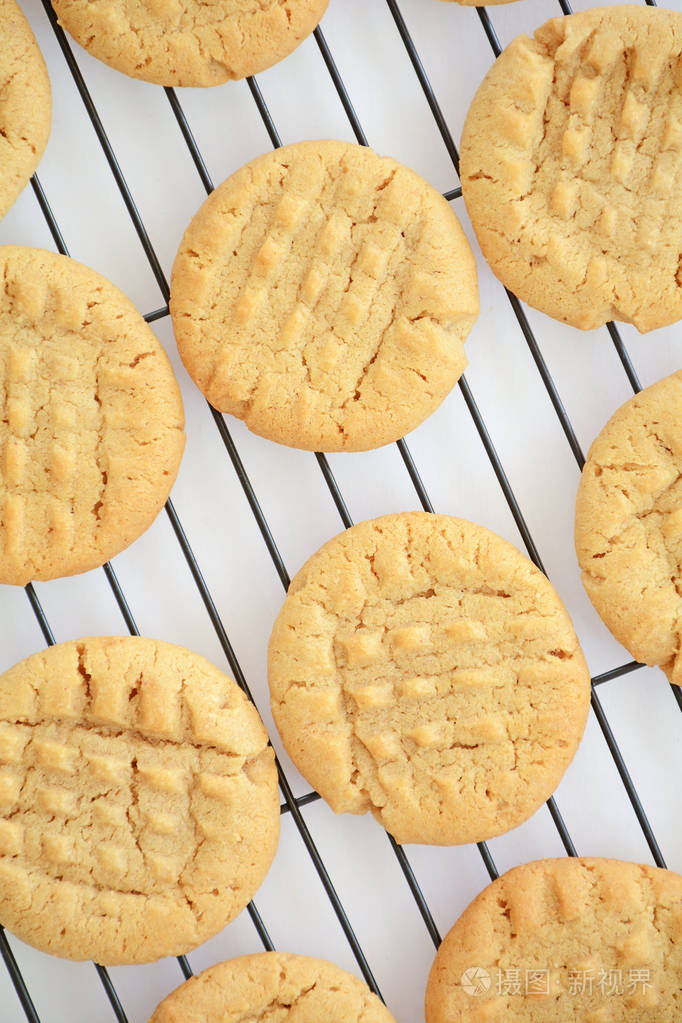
(127, 166)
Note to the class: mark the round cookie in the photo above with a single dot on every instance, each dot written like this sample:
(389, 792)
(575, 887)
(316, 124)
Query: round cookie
(323, 294)
(91, 434)
(583, 940)
(139, 807)
(423, 669)
(571, 165)
(628, 525)
(273, 987)
(189, 42)
(25, 104)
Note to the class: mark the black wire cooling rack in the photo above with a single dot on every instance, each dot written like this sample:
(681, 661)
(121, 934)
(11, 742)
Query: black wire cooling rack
(293, 805)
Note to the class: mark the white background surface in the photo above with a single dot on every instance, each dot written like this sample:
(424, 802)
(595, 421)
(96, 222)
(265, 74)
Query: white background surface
(222, 531)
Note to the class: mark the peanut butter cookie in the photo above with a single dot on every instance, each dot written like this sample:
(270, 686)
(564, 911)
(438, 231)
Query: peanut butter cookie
(571, 940)
(323, 294)
(189, 42)
(91, 434)
(25, 104)
(571, 167)
(273, 987)
(139, 807)
(423, 669)
(628, 525)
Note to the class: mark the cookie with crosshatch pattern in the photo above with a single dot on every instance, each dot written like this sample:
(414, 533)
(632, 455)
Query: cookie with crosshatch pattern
(628, 525)
(571, 167)
(423, 669)
(323, 294)
(92, 431)
(25, 104)
(189, 42)
(139, 806)
(580, 940)
(271, 987)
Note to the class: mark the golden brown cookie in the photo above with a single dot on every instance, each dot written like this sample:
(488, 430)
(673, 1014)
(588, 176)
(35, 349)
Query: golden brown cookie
(571, 940)
(272, 987)
(189, 42)
(91, 433)
(25, 104)
(423, 669)
(323, 294)
(571, 167)
(139, 808)
(628, 525)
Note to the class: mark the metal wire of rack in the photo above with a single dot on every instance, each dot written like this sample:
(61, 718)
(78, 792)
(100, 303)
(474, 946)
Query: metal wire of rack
(293, 805)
